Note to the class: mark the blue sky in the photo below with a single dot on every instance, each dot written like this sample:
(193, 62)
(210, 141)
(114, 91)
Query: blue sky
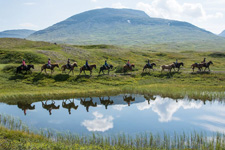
(39, 14)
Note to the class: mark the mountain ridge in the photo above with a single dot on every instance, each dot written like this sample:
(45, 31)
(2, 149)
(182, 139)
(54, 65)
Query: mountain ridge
(120, 27)
(16, 33)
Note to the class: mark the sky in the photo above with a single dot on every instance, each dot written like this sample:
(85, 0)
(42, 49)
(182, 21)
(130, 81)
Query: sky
(40, 14)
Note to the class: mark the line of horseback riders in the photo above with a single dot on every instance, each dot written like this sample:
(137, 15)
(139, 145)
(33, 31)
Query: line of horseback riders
(106, 66)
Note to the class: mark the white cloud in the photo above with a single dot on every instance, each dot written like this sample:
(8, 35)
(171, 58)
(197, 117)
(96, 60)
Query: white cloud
(28, 25)
(93, 0)
(118, 5)
(165, 108)
(99, 123)
(171, 9)
(29, 3)
(119, 107)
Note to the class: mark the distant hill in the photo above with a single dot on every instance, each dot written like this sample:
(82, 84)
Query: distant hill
(222, 33)
(121, 27)
(23, 33)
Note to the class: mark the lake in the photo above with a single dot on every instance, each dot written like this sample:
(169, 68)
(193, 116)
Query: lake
(126, 113)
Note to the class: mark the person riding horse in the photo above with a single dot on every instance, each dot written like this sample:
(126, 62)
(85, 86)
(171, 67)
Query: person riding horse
(175, 63)
(149, 63)
(68, 64)
(23, 66)
(86, 65)
(106, 64)
(203, 60)
(49, 63)
(128, 63)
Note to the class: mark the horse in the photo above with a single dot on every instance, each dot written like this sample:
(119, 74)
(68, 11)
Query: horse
(106, 102)
(87, 104)
(128, 99)
(168, 67)
(25, 106)
(86, 68)
(49, 107)
(177, 65)
(69, 106)
(64, 67)
(126, 67)
(45, 66)
(25, 68)
(206, 65)
(149, 66)
(196, 65)
(105, 68)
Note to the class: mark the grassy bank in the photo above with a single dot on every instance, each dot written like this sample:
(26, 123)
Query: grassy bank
(15, 135)
(36, 86)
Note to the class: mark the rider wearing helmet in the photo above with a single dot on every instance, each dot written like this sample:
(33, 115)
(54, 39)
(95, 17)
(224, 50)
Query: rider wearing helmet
(86, 65)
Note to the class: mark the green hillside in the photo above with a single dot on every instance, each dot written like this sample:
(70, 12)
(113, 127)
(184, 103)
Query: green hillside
(22, 33)
(122, 27)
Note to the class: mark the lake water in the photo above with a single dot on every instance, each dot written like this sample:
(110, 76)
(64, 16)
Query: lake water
(122, 114)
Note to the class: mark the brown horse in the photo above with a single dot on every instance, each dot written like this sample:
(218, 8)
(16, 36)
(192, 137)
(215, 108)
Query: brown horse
(196, 65)
(168, 67)
(45, 66)
(64, 67)
(106, 102)
(149, 66)
(86, 68)
(126, 67)
(49, 107)
(128, 99)
(87, 104)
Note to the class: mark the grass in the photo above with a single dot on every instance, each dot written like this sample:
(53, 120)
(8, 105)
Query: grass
(21, 137)
(36, 86)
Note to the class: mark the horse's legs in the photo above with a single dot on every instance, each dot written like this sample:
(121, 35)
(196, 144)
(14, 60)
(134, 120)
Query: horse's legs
(91, 72)
(84, 72)
(45, 71)
(108, 71)
(103, 72)
(208, 68)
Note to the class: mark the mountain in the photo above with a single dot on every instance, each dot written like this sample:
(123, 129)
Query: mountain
(222, 33)
(23, 33)
(120, 27)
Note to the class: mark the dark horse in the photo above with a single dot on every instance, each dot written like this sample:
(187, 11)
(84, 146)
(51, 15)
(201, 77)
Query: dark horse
(25, 106)
(24, 68)
(69, 106)
(178, 65)
(86, 68)
(149, 66)
(128, 99)
(206, 65)
(105, 68)
(106, 102)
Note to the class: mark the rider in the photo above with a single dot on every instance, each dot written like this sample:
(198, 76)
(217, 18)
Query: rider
(86, 65)
(68, 63)
(128, 63)
(204, 60)
(176, 62)
(106, 64)
(23, 66)
(49, 63)
(149, 63)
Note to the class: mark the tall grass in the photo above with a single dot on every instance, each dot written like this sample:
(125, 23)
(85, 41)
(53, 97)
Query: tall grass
(192, 140)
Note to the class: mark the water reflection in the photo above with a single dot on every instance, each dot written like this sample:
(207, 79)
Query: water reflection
(123, 113)
(128, 99)
(87, 104)
(50, 107)
(25, 106)
(106, 102)
(69, 105)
